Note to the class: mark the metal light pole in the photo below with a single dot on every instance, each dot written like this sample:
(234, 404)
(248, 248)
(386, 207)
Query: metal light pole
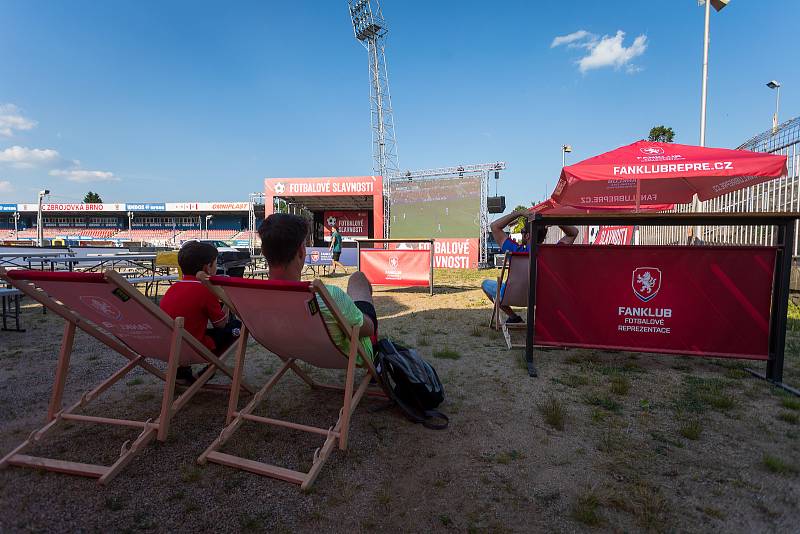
(16, 225)
(564, 150)
(774, 84)
(704, 91)
(130, 224)
(718, 5)
(208, 219)
(39, 222)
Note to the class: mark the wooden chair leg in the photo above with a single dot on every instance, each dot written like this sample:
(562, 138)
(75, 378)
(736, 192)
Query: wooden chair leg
(348, 388)
(169, 384)
(238, 369)
(62, 370)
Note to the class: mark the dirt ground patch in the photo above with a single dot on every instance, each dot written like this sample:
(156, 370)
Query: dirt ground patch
(601, 440)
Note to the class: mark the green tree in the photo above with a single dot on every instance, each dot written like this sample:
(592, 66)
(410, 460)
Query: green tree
(661, 133)
(92, 198)
(519, 224)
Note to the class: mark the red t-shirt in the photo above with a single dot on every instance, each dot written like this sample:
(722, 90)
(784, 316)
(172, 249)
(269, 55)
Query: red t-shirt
(190, 299)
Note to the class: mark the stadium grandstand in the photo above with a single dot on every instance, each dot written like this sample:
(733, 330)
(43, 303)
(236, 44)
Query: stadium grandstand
(116, 224)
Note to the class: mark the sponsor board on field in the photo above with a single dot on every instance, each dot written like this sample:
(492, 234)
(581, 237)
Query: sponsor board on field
(692, 300)
(207, 206)
(82, 207)
(146, 206)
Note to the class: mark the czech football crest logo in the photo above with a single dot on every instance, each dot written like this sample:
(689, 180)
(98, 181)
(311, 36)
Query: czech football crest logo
(279, 188)
(646, 282)
(315, 256)
(394, 262)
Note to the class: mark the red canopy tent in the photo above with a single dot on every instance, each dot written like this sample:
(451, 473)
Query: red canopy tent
(550, 207)
(646, 173)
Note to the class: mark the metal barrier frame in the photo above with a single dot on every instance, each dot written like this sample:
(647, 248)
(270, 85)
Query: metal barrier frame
(370, 240)
(785, 236)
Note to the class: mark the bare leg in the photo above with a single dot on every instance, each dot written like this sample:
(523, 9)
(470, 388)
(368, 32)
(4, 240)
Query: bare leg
(359, 288)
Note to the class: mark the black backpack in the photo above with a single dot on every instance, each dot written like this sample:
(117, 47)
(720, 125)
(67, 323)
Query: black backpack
(411, 383)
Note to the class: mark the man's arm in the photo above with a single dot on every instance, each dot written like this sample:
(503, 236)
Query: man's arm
(570, 235)
(498, 225)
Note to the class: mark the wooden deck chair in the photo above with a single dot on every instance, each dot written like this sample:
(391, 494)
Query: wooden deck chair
(514, 274)
(108, 308)
(284, 317)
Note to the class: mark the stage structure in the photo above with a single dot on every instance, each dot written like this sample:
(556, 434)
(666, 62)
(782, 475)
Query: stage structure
(449, 205)
(355, 204)
(370, 29)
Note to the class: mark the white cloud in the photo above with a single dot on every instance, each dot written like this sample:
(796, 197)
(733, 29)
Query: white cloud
(571, 38)
(84, 176)
(11, 119)
(610, 52)
(6, 187)
(24, 158)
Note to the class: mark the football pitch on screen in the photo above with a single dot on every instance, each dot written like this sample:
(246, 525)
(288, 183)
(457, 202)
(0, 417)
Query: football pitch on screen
(446, 218)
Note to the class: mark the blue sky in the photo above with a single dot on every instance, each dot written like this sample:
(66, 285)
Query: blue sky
(187, 100)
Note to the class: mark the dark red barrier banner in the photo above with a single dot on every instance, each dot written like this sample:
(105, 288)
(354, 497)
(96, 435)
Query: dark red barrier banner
(396, 267)
(704, 301)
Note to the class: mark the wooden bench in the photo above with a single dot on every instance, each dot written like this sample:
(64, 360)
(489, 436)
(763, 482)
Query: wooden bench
(10, 308)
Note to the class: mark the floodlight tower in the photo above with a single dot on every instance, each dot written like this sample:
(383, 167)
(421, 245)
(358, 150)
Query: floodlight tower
(370, 30)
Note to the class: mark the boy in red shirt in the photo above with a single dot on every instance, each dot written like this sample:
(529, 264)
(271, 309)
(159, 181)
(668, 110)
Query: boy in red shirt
(190, 299)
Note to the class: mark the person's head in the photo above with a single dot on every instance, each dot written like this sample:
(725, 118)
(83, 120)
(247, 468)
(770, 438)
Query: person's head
(283, 237)
(541, 234)
(195, 256)
(334, 228)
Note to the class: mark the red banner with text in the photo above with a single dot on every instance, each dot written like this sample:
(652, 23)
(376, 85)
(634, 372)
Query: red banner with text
(349, 223)
(448, 253)
(704, 301)
(386, 267)
(611, 235)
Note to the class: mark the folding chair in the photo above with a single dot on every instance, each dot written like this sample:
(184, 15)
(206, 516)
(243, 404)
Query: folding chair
(285, 318)
(108, 308)
(514, 274)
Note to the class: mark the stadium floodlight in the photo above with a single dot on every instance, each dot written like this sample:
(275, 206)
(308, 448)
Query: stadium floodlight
(775, 84)
(16, 225)
(130, 223)
(39, 222)
(564, 150)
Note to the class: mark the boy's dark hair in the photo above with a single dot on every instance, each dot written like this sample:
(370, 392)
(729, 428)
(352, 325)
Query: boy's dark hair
(194, 255)
(282, 234)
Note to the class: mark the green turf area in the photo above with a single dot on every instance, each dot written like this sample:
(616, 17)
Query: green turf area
(445, 218)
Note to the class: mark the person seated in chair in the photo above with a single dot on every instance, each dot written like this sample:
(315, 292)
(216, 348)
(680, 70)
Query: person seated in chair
(283, 238)
(507, 244)
(190, 299)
